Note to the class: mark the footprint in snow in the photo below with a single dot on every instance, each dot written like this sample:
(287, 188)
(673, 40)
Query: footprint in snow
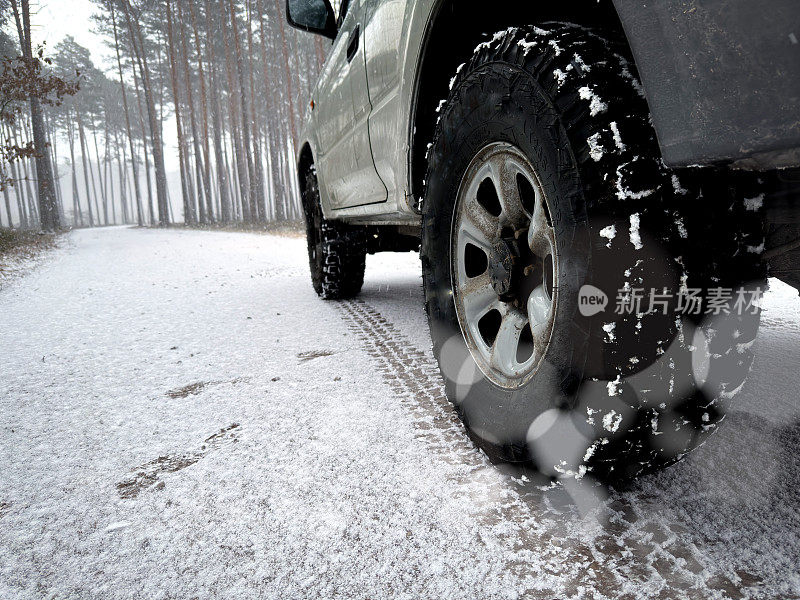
(311, 355)
(149, 474)
(194, 389)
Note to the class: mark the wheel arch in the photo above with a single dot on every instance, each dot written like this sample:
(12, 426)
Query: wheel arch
(305, 161)
(442, 52)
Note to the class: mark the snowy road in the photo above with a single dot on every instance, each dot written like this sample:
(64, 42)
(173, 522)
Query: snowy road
(181, 417)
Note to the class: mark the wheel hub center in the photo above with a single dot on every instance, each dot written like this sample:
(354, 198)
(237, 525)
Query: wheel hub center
(501, 268)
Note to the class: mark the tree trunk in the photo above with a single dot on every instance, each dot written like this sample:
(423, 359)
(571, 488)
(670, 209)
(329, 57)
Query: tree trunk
(122, 162)
(77, 217)
(126, 110)
(233, 184)
(51, 134)
(204, 115)
(150, 209)
(108, 175)
(33, 216)
(82, 138)
(203, 185)
(216, 111)
(188, 204)
(258, 161)
(137, 42)
(287, 68)
(235, 120)
(21, 209)
(7, 199)
(246, 138)
(100, 181)
(17, 185)
(48, 206)
(268, 128)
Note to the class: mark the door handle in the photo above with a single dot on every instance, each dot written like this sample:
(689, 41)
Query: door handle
(352, 45)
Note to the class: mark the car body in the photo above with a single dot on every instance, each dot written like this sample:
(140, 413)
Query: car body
(722, 80)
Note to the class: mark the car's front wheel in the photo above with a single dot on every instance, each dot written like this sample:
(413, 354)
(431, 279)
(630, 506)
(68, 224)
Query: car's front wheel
(546, 202)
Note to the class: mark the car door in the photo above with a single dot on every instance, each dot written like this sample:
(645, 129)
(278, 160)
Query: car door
(334, 116)
(341, 105)
(387, 21)
(365, 180)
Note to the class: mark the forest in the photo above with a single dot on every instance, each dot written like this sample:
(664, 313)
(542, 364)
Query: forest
(84, 144)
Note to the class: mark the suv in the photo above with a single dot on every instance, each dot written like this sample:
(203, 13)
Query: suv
(598, 192)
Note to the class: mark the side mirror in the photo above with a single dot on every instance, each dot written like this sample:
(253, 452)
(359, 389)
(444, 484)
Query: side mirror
(314, 16)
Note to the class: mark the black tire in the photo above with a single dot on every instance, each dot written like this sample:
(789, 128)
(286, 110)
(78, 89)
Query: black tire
(337, 251)
(571, 103)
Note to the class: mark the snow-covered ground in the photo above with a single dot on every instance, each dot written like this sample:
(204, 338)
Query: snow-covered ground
(181, 417)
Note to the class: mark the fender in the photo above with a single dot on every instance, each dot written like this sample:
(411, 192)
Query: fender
(722, 78)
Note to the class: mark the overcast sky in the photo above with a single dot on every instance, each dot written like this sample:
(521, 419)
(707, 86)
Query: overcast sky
(51, 20)
(55, 19)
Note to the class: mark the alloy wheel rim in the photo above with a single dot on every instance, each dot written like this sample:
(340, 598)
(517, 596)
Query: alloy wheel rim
(504, 265)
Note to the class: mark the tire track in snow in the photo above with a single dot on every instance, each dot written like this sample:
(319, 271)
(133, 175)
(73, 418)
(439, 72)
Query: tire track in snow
(414, 377)
(617, 553)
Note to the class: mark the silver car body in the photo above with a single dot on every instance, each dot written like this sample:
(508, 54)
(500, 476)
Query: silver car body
(722, 83)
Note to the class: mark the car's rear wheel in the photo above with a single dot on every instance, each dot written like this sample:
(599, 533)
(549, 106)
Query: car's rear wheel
(545, 189)
(337, 252)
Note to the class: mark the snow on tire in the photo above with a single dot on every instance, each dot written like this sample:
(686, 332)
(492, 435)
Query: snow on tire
(617, 392)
